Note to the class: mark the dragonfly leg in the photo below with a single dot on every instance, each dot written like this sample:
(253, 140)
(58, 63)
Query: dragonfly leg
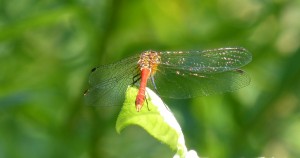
(154, 85)
(86, 92)
(136, 78)
(147, 104)
(150, 98)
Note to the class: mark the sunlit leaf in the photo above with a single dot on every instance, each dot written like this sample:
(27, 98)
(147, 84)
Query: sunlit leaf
(157, 120)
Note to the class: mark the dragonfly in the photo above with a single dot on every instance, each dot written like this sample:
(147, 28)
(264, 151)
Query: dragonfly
(172, 74)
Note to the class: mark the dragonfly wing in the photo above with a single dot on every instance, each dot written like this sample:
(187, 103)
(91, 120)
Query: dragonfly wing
(207, 61)
(108, 83)
(187, 84)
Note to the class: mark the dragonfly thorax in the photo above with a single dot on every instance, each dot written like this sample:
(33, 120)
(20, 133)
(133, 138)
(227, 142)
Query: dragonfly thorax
(149, 60)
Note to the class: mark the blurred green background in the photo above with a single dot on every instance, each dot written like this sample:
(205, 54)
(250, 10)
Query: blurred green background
(47, 49)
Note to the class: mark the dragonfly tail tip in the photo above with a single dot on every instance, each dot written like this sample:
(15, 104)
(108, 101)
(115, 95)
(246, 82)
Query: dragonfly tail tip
(138, 107)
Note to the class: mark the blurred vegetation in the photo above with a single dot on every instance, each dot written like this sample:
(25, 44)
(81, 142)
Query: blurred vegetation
(47, 49)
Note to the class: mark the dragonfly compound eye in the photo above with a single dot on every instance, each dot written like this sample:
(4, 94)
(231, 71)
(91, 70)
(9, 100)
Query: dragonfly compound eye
(149, 60)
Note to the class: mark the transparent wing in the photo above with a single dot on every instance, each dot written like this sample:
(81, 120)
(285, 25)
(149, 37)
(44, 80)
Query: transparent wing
(187, 84)
(207, 61)
(108, 83)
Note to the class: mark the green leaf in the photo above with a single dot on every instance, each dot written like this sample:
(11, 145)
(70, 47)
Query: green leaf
(157, 120)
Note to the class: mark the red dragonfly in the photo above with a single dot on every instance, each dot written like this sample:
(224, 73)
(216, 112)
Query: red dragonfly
(173, 74)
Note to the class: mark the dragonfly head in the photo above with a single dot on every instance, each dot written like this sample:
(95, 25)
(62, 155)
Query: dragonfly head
(149, 60)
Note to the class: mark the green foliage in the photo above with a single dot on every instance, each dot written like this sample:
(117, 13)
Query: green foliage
(47, 49)
(157, 120)
(150, 119)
